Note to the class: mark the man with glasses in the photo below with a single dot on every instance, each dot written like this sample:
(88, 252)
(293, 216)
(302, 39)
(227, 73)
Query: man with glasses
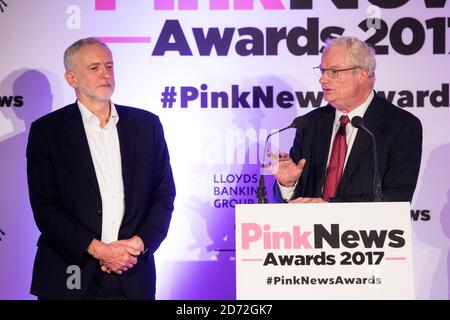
(332, 161)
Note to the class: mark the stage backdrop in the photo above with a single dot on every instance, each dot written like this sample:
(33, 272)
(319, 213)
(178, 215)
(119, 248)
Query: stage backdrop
(221, 75)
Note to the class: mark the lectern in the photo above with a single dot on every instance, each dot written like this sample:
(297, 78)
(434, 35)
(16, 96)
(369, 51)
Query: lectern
(324, 251)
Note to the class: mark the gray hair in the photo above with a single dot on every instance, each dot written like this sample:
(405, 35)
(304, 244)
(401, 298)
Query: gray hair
(361, 54)
(77, 45)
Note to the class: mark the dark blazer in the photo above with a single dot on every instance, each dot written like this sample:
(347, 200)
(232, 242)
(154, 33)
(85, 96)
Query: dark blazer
(67, 206)
(399, 142)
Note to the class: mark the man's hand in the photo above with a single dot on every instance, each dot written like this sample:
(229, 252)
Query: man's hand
(284, 169)
(135, 242)
(308, 200)
(116, 256)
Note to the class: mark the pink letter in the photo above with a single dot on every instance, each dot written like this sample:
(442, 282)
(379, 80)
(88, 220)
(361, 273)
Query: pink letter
(164, 4)
(267, 4)
(187, 4)
(101, 5)
(301, 239)
(219, 4)
(251, 232)
(286, 236)
(170, 4)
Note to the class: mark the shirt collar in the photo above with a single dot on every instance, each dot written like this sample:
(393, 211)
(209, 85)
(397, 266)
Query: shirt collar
(358, 111)
(90, 119)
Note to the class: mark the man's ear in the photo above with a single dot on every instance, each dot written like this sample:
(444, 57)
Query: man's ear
(71, 79)
(363, 76)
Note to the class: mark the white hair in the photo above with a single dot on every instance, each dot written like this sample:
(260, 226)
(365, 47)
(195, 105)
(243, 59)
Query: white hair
(361, 54)
(77, 45)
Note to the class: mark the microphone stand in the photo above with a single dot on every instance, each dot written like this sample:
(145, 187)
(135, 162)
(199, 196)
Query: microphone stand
(378, 194)
(358, 122)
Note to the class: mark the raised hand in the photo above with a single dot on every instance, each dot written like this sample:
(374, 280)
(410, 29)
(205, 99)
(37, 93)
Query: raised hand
(284, 169)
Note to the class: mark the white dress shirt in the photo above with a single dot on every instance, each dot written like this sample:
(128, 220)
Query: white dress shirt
(287, 192)
(105, 152)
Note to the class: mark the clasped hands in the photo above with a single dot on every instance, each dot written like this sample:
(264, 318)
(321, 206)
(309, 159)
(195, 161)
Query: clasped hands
(118, 256)
(288, 173)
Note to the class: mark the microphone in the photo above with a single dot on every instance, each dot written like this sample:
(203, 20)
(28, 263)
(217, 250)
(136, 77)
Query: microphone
(358, 123)
(299, 123)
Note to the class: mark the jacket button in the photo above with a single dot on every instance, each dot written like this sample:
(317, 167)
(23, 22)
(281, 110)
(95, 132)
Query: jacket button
(99, 212)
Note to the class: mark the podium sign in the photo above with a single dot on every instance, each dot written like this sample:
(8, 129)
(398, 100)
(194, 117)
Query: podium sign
(324, 251)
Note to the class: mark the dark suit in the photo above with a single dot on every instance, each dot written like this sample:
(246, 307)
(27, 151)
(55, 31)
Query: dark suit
(399, 142)
(67, 206)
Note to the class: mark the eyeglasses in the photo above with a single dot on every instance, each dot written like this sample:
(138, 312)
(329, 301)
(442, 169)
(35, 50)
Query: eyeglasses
(331, 73)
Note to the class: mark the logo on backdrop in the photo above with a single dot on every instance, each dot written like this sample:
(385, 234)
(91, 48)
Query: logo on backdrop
(268, 97)
(278, 4)
(2, 233)
(257, 42)
(420, 214)
(324, 238)
(11, 101)
(266, 4)
(253, 41)
(232, 189)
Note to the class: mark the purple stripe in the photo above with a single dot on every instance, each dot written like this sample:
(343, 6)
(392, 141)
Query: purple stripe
(252, 260)
(219, 5)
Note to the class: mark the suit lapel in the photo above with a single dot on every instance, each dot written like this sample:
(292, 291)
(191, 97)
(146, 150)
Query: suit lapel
(324, 131)
(77, 138)
(127, 132)
(363, 142)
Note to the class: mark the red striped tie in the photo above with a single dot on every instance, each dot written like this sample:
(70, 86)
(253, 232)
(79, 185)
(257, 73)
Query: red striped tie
(337, 159)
